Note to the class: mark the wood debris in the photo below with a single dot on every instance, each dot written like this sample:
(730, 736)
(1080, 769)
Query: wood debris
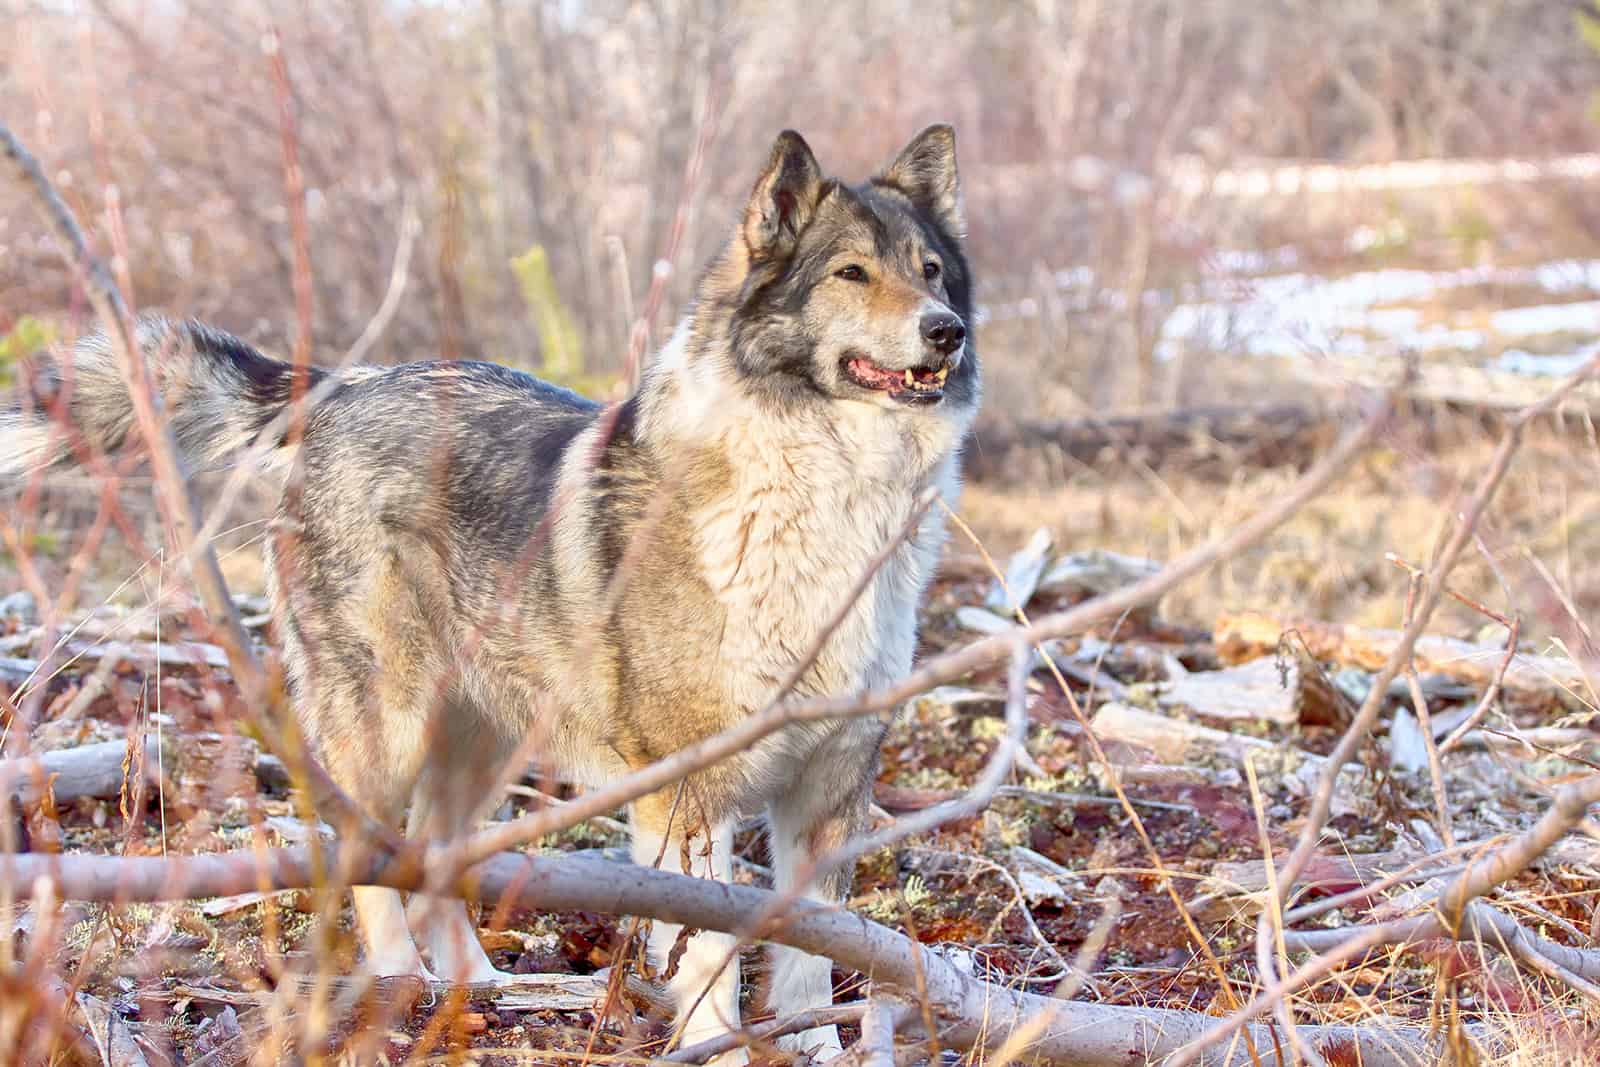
(1248, 635)
(1184, 715)
(1135, 733)
(1264, 689)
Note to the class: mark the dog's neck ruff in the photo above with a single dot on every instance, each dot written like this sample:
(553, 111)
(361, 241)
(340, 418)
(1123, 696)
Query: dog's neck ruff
(811, 498)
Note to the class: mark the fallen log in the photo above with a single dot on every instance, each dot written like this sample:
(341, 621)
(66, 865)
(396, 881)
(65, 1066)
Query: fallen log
(531, 992)
(142, 654)
(898, 799)
(1452, 386)
(83, 771)
(1441, 402)
(16, 673)
(1255, 436)
(1339, 873)
(1261, 689)
(1251, 634)
(973, 1013)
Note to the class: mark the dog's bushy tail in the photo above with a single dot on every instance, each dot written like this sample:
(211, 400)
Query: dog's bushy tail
(218, 394)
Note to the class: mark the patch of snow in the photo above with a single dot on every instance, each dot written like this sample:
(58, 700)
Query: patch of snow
(1567, 275)
(1366, 238)
(1517, 361)
(1254, 260)
(1303, 313)
(1548, 318)
(1242, 308)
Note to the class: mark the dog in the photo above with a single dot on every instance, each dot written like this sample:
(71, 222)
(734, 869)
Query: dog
(466, 557)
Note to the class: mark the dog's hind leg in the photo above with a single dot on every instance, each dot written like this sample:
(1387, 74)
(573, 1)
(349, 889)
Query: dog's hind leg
(446, 798)
(368, 655)
(391, 953)
(812, 818)
(377, 776)
(704, 979)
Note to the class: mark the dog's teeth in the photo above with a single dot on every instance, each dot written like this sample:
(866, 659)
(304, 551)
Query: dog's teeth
(944, 372)
(911, 379)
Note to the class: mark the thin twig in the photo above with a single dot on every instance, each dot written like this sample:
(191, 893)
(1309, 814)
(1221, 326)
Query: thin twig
(754, 1036)
(973, 800)
(1270, 950)
(1490, 695)
(1419, 703)
(1019, 904)
(399, 274)
(1570, 807)
(1355, 736)
(262, 690)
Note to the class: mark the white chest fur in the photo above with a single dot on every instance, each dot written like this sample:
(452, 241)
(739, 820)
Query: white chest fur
(811, 506)
(813, 499)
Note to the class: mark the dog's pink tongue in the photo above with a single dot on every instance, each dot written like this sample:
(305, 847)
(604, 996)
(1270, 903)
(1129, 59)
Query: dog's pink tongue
(869, 371)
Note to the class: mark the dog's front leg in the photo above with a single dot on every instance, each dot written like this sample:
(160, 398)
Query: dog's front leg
(381, 916)
(806, 823)
(703, 975)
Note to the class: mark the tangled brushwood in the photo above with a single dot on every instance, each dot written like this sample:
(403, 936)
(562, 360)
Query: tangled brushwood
(1070, 829)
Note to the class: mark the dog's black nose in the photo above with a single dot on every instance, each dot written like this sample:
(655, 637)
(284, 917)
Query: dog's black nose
(943, 331)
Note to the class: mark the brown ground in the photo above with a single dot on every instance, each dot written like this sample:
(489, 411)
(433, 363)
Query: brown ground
(172, 970)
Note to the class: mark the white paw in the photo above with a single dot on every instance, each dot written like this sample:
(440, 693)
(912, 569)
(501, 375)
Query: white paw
(821, 1043)
(460, 960)
(400, 965)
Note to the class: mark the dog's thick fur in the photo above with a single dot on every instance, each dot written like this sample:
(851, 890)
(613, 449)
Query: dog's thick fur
(467, 558)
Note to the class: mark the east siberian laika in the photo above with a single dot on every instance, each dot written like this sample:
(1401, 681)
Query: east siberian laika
(444, 564)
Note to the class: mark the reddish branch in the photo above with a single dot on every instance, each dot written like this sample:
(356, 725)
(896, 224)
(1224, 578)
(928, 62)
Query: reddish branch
(942, 669)
(261, 688)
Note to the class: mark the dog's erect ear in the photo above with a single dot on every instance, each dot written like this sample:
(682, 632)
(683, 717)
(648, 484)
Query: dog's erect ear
(926, 172)
(784, 199)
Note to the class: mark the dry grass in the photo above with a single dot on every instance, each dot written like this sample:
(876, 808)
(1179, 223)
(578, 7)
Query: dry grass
(1329, 561)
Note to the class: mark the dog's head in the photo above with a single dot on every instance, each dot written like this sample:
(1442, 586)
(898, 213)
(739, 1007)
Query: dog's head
(853, 293)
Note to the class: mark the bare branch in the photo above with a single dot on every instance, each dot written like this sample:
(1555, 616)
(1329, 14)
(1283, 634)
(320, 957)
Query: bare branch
(262, 689)
(1482, 923)
(177, 506)
(1490, 695)
(941, 669)
(973, 800)
(878, 1024)
(1570, 808)
(757, 1035)
(977, 1013)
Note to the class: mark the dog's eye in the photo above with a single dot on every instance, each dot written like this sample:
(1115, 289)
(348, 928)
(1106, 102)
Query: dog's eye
(930, 270)
(852, 273)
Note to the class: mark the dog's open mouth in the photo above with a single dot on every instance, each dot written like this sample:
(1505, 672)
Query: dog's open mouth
(914, 385)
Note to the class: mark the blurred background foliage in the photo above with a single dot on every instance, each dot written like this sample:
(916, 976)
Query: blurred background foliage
(551, 148)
